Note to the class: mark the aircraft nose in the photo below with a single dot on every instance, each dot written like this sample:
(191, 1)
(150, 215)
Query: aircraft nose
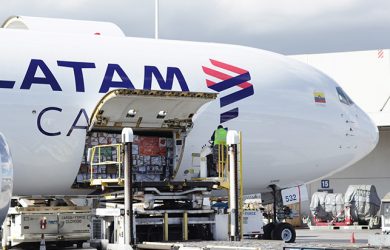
(368, 131)
(374, 134)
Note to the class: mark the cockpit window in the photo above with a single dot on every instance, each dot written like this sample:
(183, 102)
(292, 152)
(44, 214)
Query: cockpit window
(343, 97)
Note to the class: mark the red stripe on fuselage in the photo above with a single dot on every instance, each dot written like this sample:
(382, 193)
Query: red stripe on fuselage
(228, 67)
(223, 77)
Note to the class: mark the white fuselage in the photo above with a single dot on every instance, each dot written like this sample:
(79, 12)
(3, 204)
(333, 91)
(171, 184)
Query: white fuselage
(288, 137)
(364, 74)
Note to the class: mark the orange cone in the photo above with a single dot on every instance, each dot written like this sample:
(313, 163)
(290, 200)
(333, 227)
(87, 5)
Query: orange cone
(353, 240)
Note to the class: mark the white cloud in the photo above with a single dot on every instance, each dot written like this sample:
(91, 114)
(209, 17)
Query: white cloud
(131, 15)
(287, 26)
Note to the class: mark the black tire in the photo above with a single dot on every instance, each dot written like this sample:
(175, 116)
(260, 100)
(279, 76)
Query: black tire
(268, 229)
(284, 232)
(79, 244)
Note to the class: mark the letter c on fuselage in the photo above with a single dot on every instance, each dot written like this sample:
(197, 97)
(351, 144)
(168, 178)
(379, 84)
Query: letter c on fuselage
(39, 119)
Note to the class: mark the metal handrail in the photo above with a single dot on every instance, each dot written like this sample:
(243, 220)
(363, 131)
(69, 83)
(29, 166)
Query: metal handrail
(222, 166)
(96, 158)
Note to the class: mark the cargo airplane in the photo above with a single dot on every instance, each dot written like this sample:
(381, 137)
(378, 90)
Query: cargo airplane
(298, 124)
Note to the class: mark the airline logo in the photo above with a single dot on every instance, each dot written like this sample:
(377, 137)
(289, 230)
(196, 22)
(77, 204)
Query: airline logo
(230, 76)
(38, 72)
(41, 73)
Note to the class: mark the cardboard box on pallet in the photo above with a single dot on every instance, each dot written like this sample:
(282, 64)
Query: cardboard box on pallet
(152, 157)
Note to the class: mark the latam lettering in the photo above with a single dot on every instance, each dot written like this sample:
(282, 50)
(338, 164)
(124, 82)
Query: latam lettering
(81, 118)
(38, 73)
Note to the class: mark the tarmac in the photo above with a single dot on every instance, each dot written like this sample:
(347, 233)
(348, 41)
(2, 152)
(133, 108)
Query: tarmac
(306, 239)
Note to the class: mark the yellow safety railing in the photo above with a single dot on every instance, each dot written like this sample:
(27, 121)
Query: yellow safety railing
(99, 156)
(222, 166)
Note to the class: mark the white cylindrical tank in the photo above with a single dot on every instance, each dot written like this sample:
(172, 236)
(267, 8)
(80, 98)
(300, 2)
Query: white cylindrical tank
(56, 25)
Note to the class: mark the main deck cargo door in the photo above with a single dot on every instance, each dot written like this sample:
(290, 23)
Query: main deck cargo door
(148, 109)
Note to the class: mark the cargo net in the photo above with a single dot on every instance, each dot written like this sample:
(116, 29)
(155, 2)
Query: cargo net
(152, 158)
(360, 202)
(364, 202)
(327, 207)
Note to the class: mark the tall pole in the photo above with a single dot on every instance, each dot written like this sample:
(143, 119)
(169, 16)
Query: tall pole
(232, 140)
(273, 187)
(127, 140)
(237, 233)
(232, 194)
(156, 18)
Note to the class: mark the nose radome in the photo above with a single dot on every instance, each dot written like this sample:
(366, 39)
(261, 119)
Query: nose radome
(374, 134)
(369, 132)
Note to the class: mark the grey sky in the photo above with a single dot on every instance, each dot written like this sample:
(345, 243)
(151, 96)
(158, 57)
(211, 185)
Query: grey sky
(284, 26)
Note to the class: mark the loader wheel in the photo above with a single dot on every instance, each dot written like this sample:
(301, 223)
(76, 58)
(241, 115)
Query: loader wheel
(268, 231)
(284, 232)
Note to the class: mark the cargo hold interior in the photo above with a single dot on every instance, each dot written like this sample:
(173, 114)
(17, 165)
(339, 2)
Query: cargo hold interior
(160, 120)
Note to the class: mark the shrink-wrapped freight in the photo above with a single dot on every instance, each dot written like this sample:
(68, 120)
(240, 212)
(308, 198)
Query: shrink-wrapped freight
(152, 158)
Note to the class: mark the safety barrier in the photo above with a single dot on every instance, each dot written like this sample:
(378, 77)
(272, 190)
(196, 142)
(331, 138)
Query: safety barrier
(99, 157)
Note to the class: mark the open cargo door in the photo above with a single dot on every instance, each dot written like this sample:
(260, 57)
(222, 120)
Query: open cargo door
(161, 120)
(148, 109)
